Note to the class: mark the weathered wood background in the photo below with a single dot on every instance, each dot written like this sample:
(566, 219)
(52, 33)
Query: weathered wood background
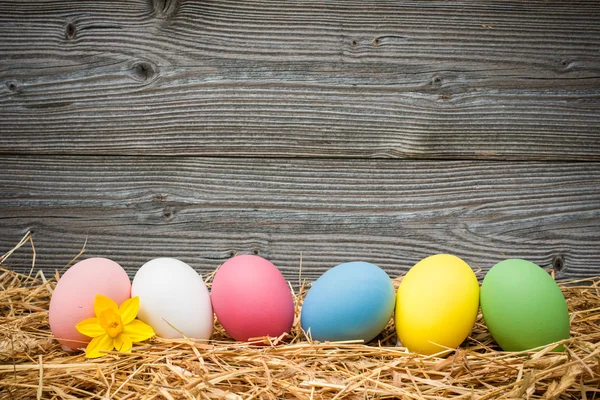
(383, 131)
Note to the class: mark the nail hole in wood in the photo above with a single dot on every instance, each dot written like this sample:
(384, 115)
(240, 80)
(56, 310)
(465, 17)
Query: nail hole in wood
(354, 43)
(255, 252)
(231, 253)
(558, 262)
(70, 31)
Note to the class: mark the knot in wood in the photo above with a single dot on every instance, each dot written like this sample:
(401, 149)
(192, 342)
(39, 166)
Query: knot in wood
(558, 262)
(14, 87)
(70, 31)
(142, 71)
(436, 79)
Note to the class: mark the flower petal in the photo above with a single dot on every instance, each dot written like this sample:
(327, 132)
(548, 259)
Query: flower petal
(138, 331)
(101, 303)
(129, 309)
(123, 343)
(90, 327)
(98, 344)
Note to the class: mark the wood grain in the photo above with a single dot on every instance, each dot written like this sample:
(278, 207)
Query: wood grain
(452, 80)
(203, 210)
(198, 129)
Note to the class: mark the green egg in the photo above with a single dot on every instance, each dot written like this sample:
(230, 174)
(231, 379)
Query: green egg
(523, 307)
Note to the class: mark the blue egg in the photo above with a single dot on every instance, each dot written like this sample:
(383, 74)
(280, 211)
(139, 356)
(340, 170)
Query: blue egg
(351, 301)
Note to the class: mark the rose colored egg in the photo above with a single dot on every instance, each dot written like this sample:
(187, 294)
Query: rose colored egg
(251, 298)
(73, 298)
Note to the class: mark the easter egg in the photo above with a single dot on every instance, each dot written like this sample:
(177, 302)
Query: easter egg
(251, 298)
(73, 297)
(174, 300)
(436, 304)
(523, 307)
(352, 301)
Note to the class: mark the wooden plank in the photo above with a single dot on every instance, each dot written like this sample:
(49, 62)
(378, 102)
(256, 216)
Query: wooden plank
(392, 213)
(504, 80)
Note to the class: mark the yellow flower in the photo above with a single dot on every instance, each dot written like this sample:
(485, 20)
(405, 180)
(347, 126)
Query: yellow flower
(114, 327)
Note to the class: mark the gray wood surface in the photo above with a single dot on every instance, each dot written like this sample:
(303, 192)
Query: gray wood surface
(504, 79)
(383, 131)
(391, 213)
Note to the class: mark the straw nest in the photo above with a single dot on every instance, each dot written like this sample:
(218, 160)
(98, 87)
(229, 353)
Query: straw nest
(33, 365)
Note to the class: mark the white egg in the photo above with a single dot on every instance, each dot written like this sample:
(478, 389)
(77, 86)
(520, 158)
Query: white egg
(173, 299)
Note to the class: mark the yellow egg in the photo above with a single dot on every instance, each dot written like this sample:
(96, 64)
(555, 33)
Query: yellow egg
(436, 304)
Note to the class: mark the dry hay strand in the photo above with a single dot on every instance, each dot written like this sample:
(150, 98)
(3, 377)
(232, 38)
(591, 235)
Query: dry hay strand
(33, 364)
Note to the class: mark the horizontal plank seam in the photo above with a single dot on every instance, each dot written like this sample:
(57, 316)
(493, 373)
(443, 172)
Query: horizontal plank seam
(157, 156)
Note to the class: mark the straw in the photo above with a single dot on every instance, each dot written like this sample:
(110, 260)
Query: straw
(33, 364)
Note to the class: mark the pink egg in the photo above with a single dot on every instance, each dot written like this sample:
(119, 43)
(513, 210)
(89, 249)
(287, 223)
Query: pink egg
(251, 298)
(73, 297)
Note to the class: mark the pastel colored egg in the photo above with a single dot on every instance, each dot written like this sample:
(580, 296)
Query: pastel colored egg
(251, 298)
(523, 307)
(73, 298)
(174, 300)
(352, 301)
(436, 304)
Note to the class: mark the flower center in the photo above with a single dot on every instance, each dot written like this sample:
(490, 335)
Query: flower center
(111, 322)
